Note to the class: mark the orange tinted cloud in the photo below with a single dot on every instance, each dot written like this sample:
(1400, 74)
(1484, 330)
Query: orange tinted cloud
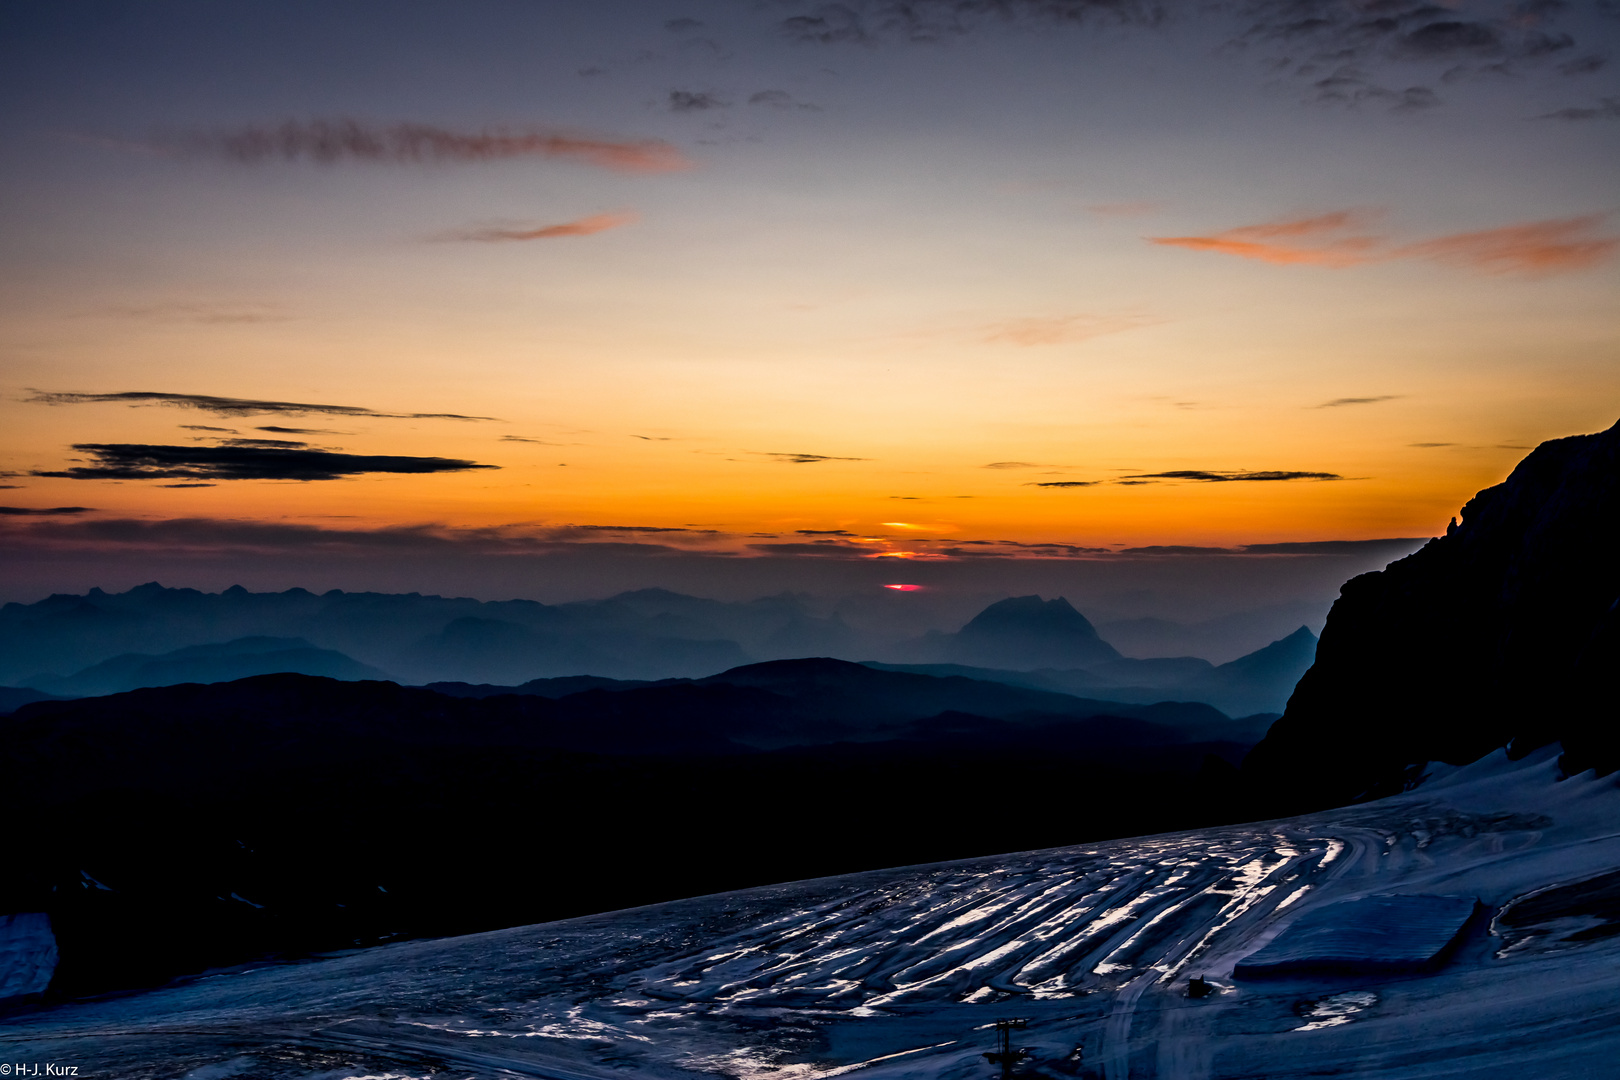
(1535, 249)
(1312, 241)
(1539, 248)
(1060, 329)
(332, 141)
(583, 227)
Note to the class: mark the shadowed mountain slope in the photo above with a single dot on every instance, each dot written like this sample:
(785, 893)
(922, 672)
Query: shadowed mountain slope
(1502, 631)
(179, 828)
(226, 662)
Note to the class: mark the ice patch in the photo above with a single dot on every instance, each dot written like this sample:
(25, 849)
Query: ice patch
(1338, 1009)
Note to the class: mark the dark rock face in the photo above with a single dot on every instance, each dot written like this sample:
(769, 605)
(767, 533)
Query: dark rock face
(1025, 632)
(1503, 631)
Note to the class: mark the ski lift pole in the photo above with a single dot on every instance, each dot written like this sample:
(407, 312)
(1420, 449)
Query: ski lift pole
(1005, 1055)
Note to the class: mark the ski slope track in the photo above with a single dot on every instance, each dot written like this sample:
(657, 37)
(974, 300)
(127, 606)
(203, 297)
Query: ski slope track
(902, 973)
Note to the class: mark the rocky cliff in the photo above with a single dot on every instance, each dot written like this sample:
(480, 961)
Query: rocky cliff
(1504, 631)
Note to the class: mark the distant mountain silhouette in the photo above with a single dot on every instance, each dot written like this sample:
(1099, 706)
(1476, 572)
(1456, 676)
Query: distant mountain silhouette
(1025, 633)
(225, 662)
(1501, 632)
(1258, 683)
(102, 643)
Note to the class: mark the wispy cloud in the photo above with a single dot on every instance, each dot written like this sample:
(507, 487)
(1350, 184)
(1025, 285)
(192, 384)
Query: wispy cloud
(1338, 402)
(585, 226)
(695, 101)
(44, 511)
(276, 429)
(228, 406)
(1065, 483)
(1533, 249)
(1538, 248)
(331, 141)
(1060, 329)
(780, 99)
(1318, 241)
(1010, 465)
(1210, 476)
(235, 461)
(1605, 109)
(526, 439)
(809, 459)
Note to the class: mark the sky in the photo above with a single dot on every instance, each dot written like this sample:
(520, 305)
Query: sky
(350, 288)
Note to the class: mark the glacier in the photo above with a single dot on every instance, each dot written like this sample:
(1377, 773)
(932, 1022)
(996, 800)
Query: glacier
(903, 972)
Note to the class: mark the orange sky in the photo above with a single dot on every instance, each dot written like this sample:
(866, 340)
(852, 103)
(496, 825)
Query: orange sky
(881, 299)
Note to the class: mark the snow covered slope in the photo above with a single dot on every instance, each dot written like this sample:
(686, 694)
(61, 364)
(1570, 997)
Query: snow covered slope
(903, 972)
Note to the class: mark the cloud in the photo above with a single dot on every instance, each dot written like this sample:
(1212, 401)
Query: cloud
(585, 226)
(1312, 241)
(221, 311)
(172, 535)
(48, 511)
(1059, 329)
(1338, 547)
(937, 20)
(229, 406)
(274, 429)
(836, 548)
(1451, 37)
(1209, 476)
(526, 439)
(331, 141)
(1584, 65)
(1606, 109)
(683, 25)
(780, 99)
(694, 101)
(1010, 465)
(226, 430)
(1341, 401)
(1535, 249)
(825, 532)
(640, 529)
(131, 461)
(1430, 445)
(1337, 50)
(809, 459)
(1065, 483)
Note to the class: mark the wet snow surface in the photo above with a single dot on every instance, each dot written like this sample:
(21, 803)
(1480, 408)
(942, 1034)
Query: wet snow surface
(903, 972)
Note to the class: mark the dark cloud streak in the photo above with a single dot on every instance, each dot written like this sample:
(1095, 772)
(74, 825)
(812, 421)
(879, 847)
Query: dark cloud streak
(132, 461)
(1208, 476)
(46, 511)
(331, 141)
(229, 406)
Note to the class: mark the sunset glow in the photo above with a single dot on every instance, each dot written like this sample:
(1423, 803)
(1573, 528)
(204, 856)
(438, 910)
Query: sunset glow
(705, 279)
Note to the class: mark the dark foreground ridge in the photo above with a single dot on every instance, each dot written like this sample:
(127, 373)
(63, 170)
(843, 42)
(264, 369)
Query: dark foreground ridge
(179, 828)
(1503, 632)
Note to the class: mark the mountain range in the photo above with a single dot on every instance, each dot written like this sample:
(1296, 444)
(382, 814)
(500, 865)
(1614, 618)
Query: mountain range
(637, 637)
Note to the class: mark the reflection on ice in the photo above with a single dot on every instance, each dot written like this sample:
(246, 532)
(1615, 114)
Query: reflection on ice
(1338, 1009)
(891, 972)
